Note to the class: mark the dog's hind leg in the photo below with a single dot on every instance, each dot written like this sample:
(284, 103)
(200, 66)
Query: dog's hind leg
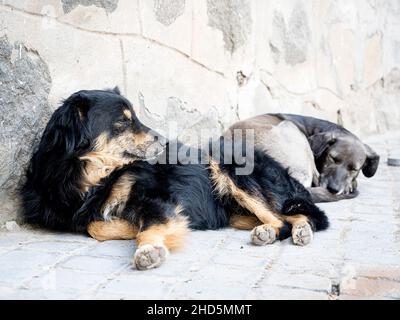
(154, 243)
(116, 229)
(273, 225)
(305, 217)
(271, 228)
(242, 222)
(261, 234)
(302, 232)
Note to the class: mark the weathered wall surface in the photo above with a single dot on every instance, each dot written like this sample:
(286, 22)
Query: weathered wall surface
(205, 63)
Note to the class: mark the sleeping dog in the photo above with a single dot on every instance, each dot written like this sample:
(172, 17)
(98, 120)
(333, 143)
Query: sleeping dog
(94, 171)
(323, 156)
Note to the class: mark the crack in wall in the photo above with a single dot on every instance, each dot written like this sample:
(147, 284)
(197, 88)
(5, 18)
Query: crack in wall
(139, 15)
(123, 62)
(288, 91)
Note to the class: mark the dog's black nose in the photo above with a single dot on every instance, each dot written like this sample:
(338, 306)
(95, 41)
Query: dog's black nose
(333, 189)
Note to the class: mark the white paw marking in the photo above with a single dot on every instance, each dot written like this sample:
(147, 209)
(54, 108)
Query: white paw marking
(149, 256)
(302, 234)
(263, 235)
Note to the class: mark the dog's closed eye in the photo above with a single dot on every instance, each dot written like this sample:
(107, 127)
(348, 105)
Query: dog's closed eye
(335, 159)
(353, 168)
(122, 121)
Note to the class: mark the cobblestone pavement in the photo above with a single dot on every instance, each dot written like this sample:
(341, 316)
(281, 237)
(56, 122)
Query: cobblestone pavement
(357, 258)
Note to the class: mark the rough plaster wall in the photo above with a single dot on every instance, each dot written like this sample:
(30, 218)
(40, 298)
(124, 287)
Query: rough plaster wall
(197, 64)
(292, 39)
(167, 11)
(233, 19)
(107, 5)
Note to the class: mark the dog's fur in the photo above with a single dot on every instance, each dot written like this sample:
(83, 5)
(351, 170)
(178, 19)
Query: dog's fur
(319, 153)
(90, 173)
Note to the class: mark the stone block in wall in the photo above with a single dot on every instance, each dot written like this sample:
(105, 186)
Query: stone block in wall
(24, 110)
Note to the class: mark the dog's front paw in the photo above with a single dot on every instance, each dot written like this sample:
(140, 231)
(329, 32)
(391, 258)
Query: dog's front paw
(149, 256)
(263, 235)
(302, 234)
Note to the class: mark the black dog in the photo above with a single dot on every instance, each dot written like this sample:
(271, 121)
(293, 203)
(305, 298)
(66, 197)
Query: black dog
(91, 172)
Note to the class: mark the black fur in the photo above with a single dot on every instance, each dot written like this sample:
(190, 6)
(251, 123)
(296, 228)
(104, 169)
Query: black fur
(158, 188)
(53, 197)
(270, 181)
(51, 193)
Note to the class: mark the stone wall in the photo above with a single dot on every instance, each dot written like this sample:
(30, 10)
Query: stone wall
(206, 63)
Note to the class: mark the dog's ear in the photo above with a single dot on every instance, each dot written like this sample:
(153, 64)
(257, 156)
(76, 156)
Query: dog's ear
(319, 142)
(371, 162)
(77, 104)
(66, 129)
(116, 90)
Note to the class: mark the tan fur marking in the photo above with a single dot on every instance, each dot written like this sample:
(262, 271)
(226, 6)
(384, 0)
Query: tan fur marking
(97, 167)
(119, 195)
(143, 138)
(80, 113)
(225, 186)
(106, 157)
(244, 222)
(117, 229)
(296, 219)
(170, 234)
(127, 114)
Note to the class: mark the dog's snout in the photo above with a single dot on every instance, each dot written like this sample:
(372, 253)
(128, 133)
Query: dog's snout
(333, 189)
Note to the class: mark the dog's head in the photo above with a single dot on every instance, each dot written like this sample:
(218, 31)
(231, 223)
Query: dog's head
(101, 129)
(339, 160)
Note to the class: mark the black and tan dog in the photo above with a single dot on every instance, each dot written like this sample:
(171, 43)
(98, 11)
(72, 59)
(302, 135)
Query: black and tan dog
(323, 156)
(90, 173)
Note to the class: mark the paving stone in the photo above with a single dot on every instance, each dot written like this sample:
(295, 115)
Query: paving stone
(95, 264)
(68, 280)
(299, 281)
(372, 288)
(54, 246)
(239, 258)
(137, 285)
(25, 294)
(19, 265)
(284, 293)
(217, 282)
(117, 248)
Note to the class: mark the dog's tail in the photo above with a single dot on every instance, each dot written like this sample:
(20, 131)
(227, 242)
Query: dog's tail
(317, 217)
(320, 194)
